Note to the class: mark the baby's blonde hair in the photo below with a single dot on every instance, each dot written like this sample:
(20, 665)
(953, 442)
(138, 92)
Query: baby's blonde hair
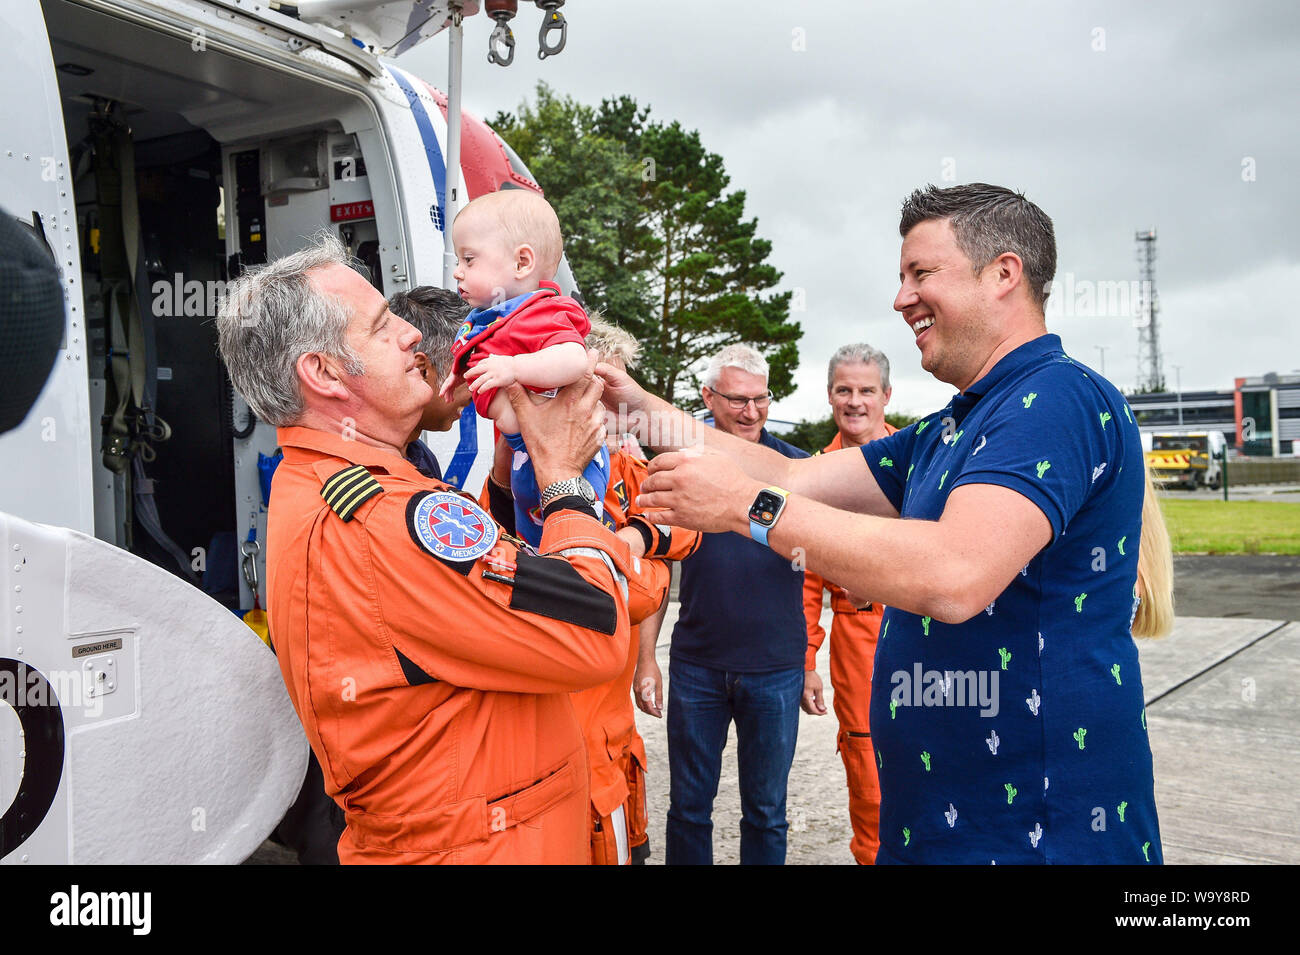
(610, 341)
(1155, 573)
(524, 218)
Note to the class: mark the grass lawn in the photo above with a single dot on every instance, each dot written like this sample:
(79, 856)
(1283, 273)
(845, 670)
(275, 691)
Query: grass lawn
(1233, 527)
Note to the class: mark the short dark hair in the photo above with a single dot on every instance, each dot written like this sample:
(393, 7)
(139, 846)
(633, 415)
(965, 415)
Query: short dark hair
(437, 315)
(988, 221)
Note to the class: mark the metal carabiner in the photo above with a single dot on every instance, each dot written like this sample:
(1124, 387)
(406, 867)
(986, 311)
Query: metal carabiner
(552, 19)
(502, 36)
(250, 549)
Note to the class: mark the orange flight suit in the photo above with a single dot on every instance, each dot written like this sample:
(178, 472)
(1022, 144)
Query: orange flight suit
(615, 750)
(435, 691)
(852, 652)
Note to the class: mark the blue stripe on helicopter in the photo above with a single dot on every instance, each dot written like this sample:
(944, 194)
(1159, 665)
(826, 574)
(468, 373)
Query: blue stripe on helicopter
(432, 150)
(462, 460)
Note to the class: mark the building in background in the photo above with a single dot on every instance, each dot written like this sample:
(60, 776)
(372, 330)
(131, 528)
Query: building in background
(1259, 416)
(1267, 412)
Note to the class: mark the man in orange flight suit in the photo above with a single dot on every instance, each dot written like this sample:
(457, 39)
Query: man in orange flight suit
(614, 747)
(429, 657)
(858, 390)
(615, 751)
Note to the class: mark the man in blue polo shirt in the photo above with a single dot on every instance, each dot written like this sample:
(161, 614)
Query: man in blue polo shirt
(737, 653)
(1007, 706)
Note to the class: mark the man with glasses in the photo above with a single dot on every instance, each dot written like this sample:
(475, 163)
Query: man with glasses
(737, 654)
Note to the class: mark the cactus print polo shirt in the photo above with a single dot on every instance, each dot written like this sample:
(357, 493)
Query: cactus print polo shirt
(1019, 736)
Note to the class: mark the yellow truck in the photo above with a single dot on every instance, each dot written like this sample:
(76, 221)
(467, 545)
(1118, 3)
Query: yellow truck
(1189, 460)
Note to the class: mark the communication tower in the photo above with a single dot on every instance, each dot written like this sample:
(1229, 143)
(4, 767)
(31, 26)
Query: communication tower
(1150, 364)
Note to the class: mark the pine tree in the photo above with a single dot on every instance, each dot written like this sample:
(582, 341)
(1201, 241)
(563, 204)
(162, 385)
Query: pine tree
(654, 238)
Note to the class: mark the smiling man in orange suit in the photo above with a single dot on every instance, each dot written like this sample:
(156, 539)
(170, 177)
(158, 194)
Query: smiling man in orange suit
(857, 386)
(430, 658)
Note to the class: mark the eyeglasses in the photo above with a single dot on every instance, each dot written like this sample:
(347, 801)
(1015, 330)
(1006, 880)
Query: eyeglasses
(738, 402)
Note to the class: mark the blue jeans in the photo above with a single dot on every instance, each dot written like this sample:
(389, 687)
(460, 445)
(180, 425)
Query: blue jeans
(702, 702)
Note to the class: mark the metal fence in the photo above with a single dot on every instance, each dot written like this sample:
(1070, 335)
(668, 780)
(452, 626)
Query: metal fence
(1255, 470)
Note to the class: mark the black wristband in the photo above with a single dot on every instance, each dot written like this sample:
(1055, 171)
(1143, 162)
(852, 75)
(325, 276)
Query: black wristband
(646, 534)
(570, 502)
(502, 505)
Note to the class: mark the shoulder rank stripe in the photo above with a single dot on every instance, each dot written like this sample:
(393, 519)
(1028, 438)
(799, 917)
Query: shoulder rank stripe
(349, 489)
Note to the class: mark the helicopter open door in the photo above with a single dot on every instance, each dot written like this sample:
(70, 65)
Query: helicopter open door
(243, 147)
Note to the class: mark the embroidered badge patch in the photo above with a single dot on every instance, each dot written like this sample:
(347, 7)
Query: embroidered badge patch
(452, 527)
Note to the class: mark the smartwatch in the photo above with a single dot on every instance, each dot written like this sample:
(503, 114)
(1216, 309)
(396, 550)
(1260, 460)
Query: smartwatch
(765, 510)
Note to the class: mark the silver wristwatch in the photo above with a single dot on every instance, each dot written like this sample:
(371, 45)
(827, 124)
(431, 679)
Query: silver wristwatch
(569, 487)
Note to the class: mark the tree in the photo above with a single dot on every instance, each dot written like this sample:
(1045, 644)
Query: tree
(593, 184)
(710, 272)
(811, 435)
(654, 238)
(814, 434)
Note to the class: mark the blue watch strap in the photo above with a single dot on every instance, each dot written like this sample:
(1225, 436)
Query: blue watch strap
(759, 531)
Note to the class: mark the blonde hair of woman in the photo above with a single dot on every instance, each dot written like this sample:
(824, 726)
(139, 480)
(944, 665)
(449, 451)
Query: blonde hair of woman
(1155, 575)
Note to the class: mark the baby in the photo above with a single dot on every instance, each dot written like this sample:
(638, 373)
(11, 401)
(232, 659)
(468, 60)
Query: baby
(521, 329)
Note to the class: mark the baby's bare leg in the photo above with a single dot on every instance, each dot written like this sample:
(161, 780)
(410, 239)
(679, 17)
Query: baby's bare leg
(502, 413)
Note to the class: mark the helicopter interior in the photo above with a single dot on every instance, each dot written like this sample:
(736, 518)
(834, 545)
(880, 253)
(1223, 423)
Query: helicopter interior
(235, 160)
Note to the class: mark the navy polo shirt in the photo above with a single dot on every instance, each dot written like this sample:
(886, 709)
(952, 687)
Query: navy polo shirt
(1020, 735)
(741, 602)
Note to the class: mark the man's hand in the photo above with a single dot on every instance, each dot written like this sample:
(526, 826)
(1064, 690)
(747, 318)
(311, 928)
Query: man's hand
(859, 603)
(648, 687)
(812, 701)
(699, 488)
(620, 390)
(494, 371)
(562, 433)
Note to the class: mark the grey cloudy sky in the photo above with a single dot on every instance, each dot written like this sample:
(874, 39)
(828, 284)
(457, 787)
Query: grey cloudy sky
(1111, 116)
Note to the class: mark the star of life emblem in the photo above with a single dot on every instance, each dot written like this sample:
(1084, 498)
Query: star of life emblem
(453, 527)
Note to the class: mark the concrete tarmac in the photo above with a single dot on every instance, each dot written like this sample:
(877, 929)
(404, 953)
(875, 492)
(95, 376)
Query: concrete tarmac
(1222, 713)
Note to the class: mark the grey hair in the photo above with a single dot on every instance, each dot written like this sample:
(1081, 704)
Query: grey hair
(610, 341)
(272, 315)
(735, 356)
(987, 222)
(860, 352)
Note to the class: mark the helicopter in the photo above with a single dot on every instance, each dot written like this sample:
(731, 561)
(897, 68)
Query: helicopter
(156, 149)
